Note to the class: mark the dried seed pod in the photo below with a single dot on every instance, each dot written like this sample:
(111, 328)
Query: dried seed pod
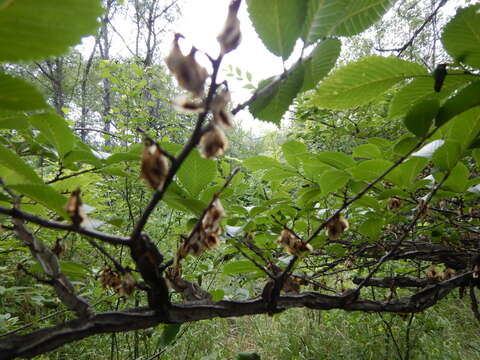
(447, 274)
(127, 285)
(213, 217)
(183, 104)
(221, 116)
(230, 36)
(188, 72)
(394, 203)
(213, 142)
(432, 273)
(336, 227)
(75, 209)
(154, 165)
(292, 244)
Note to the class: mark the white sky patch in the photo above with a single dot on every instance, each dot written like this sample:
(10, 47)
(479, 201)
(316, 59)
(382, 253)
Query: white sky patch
(200, 23)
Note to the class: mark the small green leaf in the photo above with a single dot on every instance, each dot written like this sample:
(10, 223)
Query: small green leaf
(196, 173)
(335, 159)
(422, 89)
(368, 151)
(405, 174)
(372, 228)
(278, 23)
(15, 163)
(261, 163)
(323, 60)
(420, 117)
(169, 334)
(333, 180)
(73, 270)
(458, 179)
(464, 128)
(13, 120)
(17, 94)
(30, 29)
(342, 17)
(292, 149)
(460, 102)
(447, 156)
(405, 145)
(239, 267)
(56, 130)
(43, 194)
(360, 82)
(461, 36)
(122, 156)
(369, 170)
(274, 103)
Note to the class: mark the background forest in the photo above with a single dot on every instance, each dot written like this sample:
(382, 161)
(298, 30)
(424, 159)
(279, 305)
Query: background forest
(327, 209)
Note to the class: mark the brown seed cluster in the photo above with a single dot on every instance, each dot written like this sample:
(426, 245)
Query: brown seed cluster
(230, 36)
(204, 236)
(336, 227)
(155, 165)
(191, 76)
(394, 203)
(76, 210)
(113, 280)
(292, 244)
(433, 273)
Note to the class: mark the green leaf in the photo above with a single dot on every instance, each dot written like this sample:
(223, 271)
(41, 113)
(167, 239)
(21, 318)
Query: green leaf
(196, 173)
(169, 334)
(13, 120)
(462, 101)
(405, 174)
(422, 89)
(458, 179)
(73, 270)
(368, 151)
(15, 163)
(56, 130)
(17, 94)
(261, 163)
(405, 145)
(272, 105)
(362, 81)
(369, 170)
(292, 149)
(122, 156)
(82, 156)
(239, 267)
(333, 180)
(336, 159)
(342, 17)
(372, 228)
(322, 60)
(30, 29)
(464, 128)
(278, 23)
(43, 194)
(420, 117)
(447, 156)
(461, 36)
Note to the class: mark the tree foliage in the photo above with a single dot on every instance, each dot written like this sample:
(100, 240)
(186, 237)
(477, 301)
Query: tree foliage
(382, 195)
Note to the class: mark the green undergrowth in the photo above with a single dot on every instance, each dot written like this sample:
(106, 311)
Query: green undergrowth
(447, 331)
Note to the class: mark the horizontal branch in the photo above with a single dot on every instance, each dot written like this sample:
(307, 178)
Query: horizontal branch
(41, 341)
(111, 239)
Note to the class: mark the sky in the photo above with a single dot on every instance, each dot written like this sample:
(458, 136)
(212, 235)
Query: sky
(200, 23)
